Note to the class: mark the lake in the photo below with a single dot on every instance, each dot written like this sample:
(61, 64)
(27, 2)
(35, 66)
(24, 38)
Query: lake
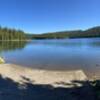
(61, 54)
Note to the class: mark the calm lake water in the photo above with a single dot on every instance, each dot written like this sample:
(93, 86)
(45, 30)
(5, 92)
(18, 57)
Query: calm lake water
(54, 54)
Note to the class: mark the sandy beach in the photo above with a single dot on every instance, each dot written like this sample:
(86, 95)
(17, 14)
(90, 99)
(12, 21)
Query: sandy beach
(18, 83)
(37, 76)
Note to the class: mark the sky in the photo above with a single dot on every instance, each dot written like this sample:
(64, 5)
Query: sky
(41, 16)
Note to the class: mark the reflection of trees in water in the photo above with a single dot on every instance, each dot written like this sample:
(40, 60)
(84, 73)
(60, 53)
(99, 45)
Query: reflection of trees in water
(12, 45)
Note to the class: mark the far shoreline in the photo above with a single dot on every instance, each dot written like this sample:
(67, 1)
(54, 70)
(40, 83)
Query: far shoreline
(50, 39)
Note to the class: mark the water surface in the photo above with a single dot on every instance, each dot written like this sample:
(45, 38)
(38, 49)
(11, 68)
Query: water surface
(54, 54)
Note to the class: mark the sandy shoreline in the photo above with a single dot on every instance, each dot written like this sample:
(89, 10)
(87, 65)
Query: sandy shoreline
(19, 83)
(17, 73)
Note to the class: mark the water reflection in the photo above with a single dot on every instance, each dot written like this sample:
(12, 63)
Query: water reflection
(12, 45)
(18, 45)
(68, 42)
(53, 54)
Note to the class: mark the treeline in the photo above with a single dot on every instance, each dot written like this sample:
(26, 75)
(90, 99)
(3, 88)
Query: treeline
(93, 32)
(11, 34)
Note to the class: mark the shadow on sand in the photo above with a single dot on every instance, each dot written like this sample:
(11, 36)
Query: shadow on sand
(10, 90)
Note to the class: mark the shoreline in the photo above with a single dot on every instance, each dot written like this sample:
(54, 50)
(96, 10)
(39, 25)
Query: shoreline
(51, 39)
(40, 76)
(34, 84)
(90, 74)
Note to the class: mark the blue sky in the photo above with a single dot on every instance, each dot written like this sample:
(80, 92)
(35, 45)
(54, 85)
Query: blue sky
(40, 16)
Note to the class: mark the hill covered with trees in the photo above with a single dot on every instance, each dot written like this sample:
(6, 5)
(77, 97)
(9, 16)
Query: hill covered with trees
(92, 32)
(13, 34)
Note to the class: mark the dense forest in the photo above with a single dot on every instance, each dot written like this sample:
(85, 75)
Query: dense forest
(11, 34)
(92, 32)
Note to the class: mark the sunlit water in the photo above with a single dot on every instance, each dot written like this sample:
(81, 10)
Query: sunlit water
(55, 54)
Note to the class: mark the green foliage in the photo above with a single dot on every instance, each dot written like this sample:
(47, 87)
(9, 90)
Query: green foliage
(11, 34)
